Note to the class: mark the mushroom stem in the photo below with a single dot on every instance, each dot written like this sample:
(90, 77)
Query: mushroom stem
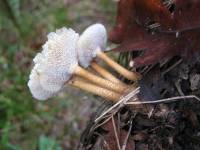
(106, 74)
(121, 70)
(107, 94)
(99, 81)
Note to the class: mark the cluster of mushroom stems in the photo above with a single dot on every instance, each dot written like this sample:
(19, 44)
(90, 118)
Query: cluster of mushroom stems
(104, 84)
(89, 46)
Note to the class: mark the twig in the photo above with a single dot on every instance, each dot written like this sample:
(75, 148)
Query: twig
(106, 117)
(164, 100)
(172, 67)
(116, 135)
(178, 87)
(105, 142)
(119, 103)
(128, 134)
(99, 125)
(118, 122)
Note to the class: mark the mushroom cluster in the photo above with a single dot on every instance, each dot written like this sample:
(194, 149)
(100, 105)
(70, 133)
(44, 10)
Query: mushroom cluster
(65, 58)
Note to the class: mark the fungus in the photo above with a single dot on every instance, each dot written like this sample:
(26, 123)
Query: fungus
(85, 49)
(104, 73)
(58, 62)
(35, 87)
(81, 84)
(92, 44)
(39, 93)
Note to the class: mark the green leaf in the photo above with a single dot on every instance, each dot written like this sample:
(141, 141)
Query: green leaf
(13, 147)
(46, 143)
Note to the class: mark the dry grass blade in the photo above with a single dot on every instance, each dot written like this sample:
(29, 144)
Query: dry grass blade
(119, 104)
(128, 134)
(105, 142)
(164, 100)
(116, 134)
(104, 122)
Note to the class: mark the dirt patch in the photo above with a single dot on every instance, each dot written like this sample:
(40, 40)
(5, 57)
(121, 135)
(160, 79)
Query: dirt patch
(167, 125)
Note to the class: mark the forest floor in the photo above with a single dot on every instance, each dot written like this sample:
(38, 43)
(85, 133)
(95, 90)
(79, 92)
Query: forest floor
(25, 123)
(58, 124)
(170, 119)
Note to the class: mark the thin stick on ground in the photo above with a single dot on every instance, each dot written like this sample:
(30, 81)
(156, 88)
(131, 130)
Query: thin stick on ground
(116, 134)
(120, 103)
(105, 142)
(128, 134)
(164, 100)
(104, 122)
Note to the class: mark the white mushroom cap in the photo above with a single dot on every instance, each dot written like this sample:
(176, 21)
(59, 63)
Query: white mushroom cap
(35, 87)
(58, 59)
(92, 40)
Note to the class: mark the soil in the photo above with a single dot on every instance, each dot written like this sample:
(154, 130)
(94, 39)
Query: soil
(169, 125)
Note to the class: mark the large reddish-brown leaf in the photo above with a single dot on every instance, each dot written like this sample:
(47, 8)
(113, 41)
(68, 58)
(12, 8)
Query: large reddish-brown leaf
(178, 34)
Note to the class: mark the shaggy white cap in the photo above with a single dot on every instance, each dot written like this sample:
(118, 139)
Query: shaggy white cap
(35, 87)
(92, 40)
(57, 61)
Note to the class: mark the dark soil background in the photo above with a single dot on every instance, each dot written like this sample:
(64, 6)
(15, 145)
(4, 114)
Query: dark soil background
(170, 125)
